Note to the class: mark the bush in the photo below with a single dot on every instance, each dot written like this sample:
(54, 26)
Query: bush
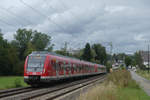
(118, 86)
(17, 83)
(108, 66)
(101, 92)
(121, 78)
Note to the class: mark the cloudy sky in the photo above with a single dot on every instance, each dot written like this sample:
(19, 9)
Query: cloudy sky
(125, 23)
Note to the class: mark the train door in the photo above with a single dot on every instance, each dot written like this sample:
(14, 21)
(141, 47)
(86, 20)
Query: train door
(72, 69)
(57, 68)
(69, 68)
(61, 71)
(64, 68)
(53, 67)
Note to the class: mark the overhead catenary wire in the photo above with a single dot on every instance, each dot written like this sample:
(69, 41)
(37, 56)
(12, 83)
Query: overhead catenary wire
(45, 1)
(16, 20)
(7, 23)
(21, 18)
(43, 15)
(51, 7)
(67, 8)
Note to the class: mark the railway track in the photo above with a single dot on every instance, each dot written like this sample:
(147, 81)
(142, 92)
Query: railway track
(14, 91)
(53, 91)
(61, 92)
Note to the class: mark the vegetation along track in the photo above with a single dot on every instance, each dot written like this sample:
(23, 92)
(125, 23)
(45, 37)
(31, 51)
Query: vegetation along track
(54, 91)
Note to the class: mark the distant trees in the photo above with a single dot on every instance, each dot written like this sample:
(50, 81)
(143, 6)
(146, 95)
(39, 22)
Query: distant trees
(128, 61)
(95, 53)
(87, 53)
(100, 51)
(120, 56)
(138, 60)
(63, 50)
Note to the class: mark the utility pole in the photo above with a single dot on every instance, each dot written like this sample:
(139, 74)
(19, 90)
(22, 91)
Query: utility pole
(148, 58)
(111, 47)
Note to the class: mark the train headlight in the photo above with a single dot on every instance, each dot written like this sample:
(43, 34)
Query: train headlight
(44, 70)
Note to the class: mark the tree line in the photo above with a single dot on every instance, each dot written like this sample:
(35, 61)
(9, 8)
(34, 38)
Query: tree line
(13, 53)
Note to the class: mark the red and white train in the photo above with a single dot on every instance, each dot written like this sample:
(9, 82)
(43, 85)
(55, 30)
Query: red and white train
(45, 67)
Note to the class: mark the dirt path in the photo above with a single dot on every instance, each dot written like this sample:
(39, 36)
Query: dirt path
(144, 83)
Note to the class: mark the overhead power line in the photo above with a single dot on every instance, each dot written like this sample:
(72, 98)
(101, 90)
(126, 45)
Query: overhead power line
(43, 15)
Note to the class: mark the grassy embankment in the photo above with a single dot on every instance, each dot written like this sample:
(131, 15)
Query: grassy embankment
(118, 86)
(11, 82)
(144, 73)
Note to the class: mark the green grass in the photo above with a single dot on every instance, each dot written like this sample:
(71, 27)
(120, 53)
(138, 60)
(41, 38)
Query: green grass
(11, 82)
(132, 94)
(144, 73)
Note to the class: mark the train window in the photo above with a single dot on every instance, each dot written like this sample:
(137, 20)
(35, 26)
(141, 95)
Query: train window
(53, 64)
(36, 63)
(80, 68)
(68, 66)
(60, 66)
(72, 69)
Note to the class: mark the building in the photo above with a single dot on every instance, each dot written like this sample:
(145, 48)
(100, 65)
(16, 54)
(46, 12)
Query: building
(72, 51)
(144, 55)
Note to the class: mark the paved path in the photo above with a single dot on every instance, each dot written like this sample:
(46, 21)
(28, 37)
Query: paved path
(144, 83)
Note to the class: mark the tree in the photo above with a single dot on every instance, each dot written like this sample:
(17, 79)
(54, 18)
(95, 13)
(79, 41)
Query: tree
(27, 40)
(50, 48)
(29, 49)
(41, 41)
(78, 54)
(100, 51)
(22, 37)
(63, 50)
(8, 57)
(138, 60)
(87, 53)
(93, 53)
(128, 61)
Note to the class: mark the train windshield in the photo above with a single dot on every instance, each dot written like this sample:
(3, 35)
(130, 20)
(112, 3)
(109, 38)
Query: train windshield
(36, 63)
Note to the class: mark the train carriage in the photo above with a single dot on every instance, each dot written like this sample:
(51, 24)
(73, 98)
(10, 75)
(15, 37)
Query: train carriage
(44, 67)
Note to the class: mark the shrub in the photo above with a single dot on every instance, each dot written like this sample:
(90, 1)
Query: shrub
(100, 92)
(121, 78)
(17, 83)
(108, 66)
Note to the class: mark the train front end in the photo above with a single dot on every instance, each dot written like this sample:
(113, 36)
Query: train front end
(34, 68)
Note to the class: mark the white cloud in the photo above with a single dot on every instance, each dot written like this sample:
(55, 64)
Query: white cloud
(115, 9)
(124, 22)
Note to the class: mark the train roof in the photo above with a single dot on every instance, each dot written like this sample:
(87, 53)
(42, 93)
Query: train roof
(44, 53)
